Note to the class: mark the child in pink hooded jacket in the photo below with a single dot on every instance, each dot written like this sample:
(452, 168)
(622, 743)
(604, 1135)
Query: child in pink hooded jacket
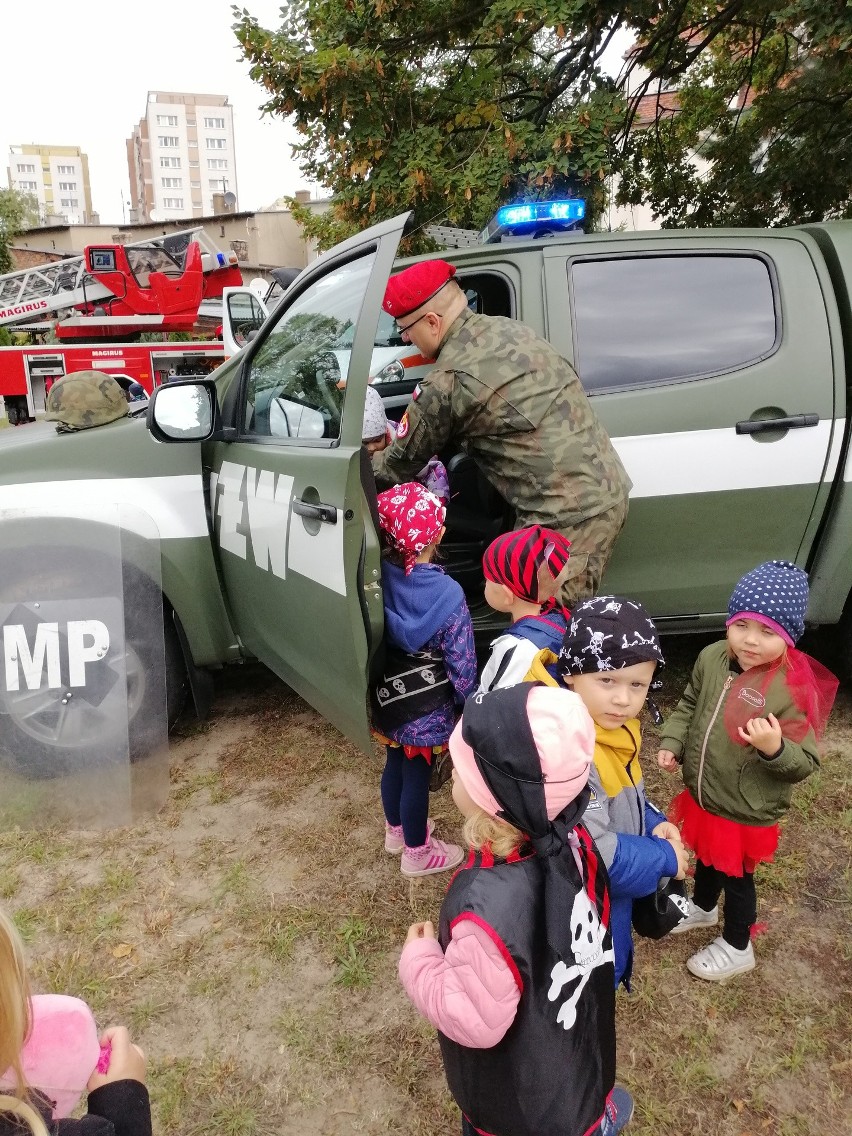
(519, 979)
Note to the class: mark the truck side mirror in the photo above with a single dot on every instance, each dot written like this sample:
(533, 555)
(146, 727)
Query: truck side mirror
(183, 411)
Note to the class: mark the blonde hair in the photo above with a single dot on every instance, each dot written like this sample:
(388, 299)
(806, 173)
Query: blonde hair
(15, 1018)
(13, 1106)
(15, 1024)
(481, 829)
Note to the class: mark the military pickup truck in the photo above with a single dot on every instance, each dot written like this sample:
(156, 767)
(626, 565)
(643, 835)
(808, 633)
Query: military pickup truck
(718, 360)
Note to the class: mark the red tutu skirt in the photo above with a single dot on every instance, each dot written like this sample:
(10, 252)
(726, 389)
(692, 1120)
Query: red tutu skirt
(723, 844)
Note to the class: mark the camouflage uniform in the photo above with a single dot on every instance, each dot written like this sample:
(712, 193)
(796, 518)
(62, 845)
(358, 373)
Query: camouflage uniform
(85, 399)
(516, 406)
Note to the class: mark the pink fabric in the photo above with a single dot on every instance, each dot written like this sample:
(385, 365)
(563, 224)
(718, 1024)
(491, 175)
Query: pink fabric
(469, 993)
(564, 736)
(765, 620)
(61, 1052)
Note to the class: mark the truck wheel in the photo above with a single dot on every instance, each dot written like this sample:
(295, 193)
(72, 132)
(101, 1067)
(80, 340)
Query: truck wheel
(39, 740)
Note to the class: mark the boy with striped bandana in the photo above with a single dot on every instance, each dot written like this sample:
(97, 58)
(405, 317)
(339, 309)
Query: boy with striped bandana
(524, 572)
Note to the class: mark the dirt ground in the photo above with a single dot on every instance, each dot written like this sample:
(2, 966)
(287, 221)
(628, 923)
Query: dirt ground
(248, 934)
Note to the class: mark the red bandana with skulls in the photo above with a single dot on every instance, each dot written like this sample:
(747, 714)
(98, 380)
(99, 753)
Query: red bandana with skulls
(412, 517)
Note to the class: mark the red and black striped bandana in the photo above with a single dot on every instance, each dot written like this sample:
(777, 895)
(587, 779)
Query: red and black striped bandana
(531, 562)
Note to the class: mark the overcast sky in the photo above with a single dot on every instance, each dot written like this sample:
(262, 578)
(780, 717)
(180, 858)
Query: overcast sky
(77, 73)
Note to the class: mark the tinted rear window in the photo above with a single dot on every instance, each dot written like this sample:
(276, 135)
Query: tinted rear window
(657, 319)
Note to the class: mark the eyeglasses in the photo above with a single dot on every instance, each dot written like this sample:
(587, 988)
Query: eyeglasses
(408, 326)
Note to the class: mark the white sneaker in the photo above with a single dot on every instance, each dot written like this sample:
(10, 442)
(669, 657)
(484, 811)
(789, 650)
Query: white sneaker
(697, 917)
(720, 961)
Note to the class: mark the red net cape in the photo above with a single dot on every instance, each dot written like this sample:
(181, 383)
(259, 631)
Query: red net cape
(812, 688)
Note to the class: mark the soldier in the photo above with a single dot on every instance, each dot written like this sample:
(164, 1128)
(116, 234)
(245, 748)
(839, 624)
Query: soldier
(517, 407)
(85, 399)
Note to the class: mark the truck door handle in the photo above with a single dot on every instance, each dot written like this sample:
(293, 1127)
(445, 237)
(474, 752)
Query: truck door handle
(794, 422)
(315, 512)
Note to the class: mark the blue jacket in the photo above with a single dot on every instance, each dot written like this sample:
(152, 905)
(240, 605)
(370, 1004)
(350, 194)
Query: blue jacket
(620, 820)
(426, 610)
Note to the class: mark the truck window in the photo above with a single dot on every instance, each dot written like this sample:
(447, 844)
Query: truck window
(488, 293)
(144, 261)
(246, 315)
(648, 320)
(296, 381)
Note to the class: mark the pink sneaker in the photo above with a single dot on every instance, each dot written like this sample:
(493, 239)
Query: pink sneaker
(395, 841)
(433, 856)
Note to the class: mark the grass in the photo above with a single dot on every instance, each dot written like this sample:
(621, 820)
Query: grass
(353, 970)
(264, 923)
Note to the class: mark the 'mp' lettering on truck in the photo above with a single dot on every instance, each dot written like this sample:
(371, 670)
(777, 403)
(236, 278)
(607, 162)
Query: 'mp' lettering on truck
(718, 360)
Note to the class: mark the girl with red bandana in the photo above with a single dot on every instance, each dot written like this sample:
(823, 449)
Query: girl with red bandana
(429, 671)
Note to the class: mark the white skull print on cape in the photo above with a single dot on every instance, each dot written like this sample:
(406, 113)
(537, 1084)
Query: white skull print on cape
(587, 939)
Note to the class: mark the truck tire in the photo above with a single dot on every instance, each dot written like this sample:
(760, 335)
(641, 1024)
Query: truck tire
(38, 742)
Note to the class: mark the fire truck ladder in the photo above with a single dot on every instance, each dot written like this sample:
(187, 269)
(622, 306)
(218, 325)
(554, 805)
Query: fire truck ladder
(33, 293)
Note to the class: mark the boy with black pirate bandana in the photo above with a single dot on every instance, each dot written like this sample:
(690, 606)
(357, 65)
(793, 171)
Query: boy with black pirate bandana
(609, 657)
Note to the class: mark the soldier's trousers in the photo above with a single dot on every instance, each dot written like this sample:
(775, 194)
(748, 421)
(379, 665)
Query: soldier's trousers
(592, 542)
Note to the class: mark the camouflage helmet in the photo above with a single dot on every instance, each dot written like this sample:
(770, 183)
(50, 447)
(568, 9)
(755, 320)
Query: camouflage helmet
(85, 399)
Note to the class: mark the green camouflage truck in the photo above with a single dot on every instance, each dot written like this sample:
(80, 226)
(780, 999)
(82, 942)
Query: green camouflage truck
(243, 506)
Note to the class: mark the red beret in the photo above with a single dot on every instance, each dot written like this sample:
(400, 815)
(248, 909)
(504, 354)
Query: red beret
(415, 286)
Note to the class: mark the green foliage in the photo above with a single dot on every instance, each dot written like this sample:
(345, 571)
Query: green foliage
(765, 104)
(6, 339)
(454, 109)
(18, 212)
(452, 123)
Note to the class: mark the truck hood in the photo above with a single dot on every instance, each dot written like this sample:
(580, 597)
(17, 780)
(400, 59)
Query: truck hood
(119, 450)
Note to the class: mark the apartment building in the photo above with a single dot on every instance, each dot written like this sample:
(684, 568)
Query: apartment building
(58, 178)
(180, 154)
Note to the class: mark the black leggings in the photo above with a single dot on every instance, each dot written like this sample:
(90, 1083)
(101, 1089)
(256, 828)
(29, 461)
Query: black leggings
(740, 901)
(405, 794)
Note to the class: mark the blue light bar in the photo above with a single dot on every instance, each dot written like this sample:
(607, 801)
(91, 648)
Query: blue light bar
(535, 218)
(571, 210)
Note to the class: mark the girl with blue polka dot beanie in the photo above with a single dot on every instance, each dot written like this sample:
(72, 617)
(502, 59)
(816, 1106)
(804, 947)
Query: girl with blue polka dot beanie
(744, 733)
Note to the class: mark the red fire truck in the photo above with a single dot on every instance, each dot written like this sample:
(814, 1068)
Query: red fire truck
(102, 302)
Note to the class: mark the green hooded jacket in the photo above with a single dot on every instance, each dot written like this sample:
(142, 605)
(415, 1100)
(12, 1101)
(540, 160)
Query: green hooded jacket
(726, 778)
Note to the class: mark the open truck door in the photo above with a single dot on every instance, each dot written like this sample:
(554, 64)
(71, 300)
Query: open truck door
(291, 487)
(243, 315)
